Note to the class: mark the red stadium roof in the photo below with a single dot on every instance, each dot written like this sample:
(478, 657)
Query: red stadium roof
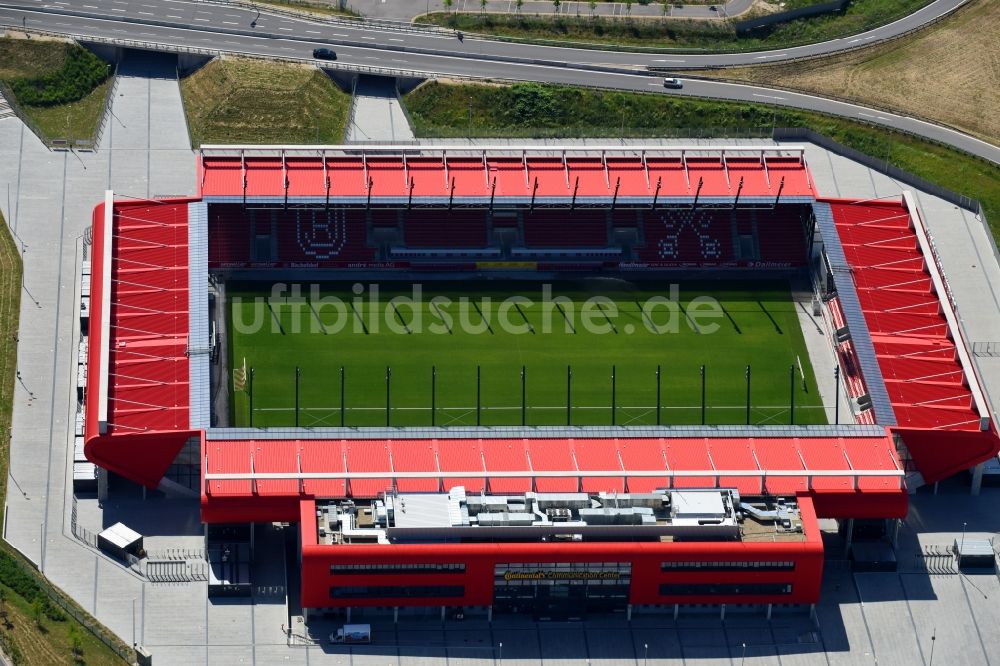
(138, 379)
(929, 383)
(250, 469)
(546, 171)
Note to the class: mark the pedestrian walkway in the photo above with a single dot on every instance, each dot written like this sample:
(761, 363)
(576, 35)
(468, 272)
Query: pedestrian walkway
(376, 113)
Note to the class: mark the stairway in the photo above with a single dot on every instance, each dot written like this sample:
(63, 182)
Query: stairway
(5, 110)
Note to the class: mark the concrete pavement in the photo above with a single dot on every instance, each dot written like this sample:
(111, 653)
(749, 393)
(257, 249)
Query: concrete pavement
(376, 113)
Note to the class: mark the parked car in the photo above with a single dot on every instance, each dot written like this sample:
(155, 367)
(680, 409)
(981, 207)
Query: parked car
(671, 82)
(324, 54)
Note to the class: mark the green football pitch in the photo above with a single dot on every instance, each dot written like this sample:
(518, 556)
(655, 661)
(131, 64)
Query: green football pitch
(505, 353)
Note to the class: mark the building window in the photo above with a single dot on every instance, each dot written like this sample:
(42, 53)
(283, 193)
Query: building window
(728, 566)
(533, 574)
(396, 591)
(378, 569)
(723, 589)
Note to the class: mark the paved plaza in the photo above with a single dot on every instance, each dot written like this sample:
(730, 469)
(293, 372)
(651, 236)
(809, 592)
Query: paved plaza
(863, 618)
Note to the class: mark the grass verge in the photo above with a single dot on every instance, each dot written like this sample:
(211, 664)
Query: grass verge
(454, 328)
(33, 629)
(714, 36)
(53, 70)
(235, 100)
(942, 73)
(312, 7)
(534, 110)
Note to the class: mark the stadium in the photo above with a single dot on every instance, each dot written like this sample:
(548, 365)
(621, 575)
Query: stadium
(536, 379)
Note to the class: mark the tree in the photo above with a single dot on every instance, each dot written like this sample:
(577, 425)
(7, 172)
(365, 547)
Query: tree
(75, 641)
(448, 4)
(593, 7)
(628, 7)
(556, 4)
(518, 5)
(482, 6)
(665, 7)
(38, 612)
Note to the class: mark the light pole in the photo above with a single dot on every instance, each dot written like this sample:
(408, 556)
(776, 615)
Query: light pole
(645, 654)
(133, 624)
(744, 657)
(500, 654)
(961, 547)
(930, 662)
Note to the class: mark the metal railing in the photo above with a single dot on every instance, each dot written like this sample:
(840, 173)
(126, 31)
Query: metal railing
(106, 112)
(8, 95)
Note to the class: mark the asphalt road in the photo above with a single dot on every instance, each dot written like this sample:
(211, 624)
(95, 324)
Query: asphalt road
(213, 26)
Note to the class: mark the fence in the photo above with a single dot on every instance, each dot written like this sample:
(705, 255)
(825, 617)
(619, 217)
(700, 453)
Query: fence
(986, 348)
(8, 94)
(106, 112)
(746, 27)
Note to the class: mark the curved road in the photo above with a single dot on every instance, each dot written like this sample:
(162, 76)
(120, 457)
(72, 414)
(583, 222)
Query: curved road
(200, 25)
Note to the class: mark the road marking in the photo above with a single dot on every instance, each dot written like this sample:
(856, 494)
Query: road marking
(172, 16)
(230, 22)
(313, 32)
(286, 29)
(865, 115)
(395, 40)
(667, 60)
(767, 96)
(774, 55)
(114, 9)
(367, 38)
(338, 34)
(143, 13)
(205, 20)
(91, 6)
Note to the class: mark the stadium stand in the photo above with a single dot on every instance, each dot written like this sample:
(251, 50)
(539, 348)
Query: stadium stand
(913, 343)
(443, 228)
(276, 237)
(563, 229)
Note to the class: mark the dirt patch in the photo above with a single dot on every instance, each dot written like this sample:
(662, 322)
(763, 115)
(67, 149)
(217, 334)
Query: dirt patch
(948, 73)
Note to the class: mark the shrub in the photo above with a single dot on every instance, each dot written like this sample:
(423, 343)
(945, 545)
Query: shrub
(81, 73)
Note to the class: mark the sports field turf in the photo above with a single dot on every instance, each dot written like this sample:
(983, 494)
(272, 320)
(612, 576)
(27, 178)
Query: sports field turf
(756, 324)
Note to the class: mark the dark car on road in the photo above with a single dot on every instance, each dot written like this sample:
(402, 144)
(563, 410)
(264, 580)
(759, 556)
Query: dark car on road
(324, 54)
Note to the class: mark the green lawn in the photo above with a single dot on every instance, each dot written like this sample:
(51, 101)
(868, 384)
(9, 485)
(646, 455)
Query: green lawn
(755, 323)
(73, 102)
(239, 100)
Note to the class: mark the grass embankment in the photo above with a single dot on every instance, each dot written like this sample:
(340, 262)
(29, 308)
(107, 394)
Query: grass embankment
(595, 324)
(237, 100)
(311, 7)
(33, 630)
(947, 73)
(533, 110)
(59, 85)
(708, 35)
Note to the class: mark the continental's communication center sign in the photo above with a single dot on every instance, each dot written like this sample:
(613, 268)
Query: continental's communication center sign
(570, 574)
